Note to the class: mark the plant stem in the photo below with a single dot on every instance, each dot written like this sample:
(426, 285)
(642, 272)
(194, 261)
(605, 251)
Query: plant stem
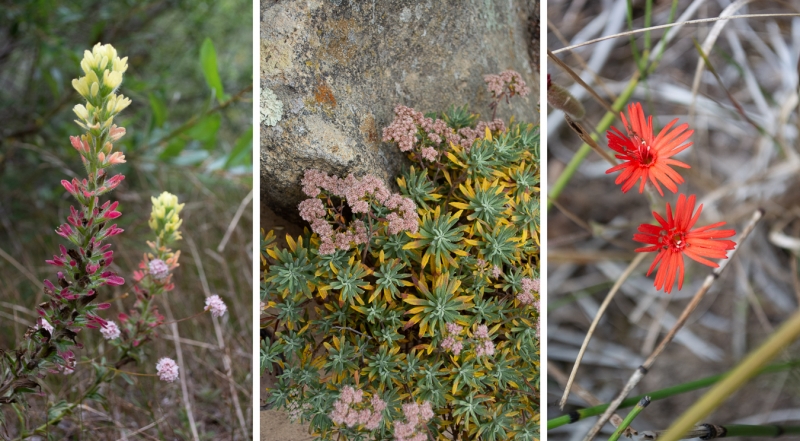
(608, 118)
(644, 402)
(584, 150)
(746, 370)
(614, 289)
(713, 431)
(660, 394)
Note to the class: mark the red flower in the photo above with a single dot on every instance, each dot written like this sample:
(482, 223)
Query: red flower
(645, 156)
(675, 237)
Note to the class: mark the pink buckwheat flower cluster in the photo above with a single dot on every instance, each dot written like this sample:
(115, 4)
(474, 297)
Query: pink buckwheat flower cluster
(509, 82)
(496, 271)
(359, 194)
(409, 123)
(346, 409)
(529, 286)
(110, 331)
(414, 428)
(294, 406)
(167, 370)
(450, 343)
(469, 135)
(484, 346)
(411, 128)
(216, 305)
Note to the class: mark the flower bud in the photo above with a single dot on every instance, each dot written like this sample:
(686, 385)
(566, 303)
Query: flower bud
(115, 133)
(560, 98)
(81, 111)
(120, 65)
(112, 80)
(82, 86)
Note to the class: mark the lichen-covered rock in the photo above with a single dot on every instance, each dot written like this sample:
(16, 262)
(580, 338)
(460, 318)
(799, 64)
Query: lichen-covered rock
(338, 68)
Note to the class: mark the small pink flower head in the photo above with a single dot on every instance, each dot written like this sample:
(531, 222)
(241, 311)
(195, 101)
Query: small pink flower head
(449, 344)
(425, 411)
(167, 370)
(378, 405)
(347, 395)
(110, 331)
(216, 305)
(526, 298)
(429, 153)
(158, 269)
(510, 79)
(453, 328)
(482, 332)
(484, 348)
(530, 285)
(374, 421)
(496, 271)
(410, 410)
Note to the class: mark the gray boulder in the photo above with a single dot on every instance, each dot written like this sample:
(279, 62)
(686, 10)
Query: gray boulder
(335, 70)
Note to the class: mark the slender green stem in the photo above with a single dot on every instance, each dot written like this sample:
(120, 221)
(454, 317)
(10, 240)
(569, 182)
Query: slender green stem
(584, 150)
(195, 119)
(608, 118)
(581, 414)
(742, 430)
(640, 406)
(637, 59)
(732, 382)
(44, 428)
(713, 431)
(648, 19)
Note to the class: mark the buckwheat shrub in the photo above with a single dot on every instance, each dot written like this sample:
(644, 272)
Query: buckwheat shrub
(424, 300)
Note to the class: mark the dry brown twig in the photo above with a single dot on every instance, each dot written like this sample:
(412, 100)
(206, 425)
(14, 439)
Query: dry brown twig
(610, 296)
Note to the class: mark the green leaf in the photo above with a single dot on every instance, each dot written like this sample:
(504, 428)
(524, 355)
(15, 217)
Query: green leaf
(58, 411)
(126, 377)
(192, 157)
(206, 130)
(173, 149)
(241, 153)
(159, 110)
(208, 60)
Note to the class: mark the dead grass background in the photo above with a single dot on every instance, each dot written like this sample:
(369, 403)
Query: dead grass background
(211, 204)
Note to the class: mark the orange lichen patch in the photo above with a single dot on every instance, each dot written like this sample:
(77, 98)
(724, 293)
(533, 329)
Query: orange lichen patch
(369, 130)
(338, 41)
(323, 94)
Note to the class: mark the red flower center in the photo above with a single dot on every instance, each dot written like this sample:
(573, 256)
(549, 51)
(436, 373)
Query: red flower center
(672, 239)
(641, 151)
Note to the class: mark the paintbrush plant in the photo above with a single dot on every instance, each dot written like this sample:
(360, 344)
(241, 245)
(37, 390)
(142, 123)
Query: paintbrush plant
(84, 275)
(83, 263)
